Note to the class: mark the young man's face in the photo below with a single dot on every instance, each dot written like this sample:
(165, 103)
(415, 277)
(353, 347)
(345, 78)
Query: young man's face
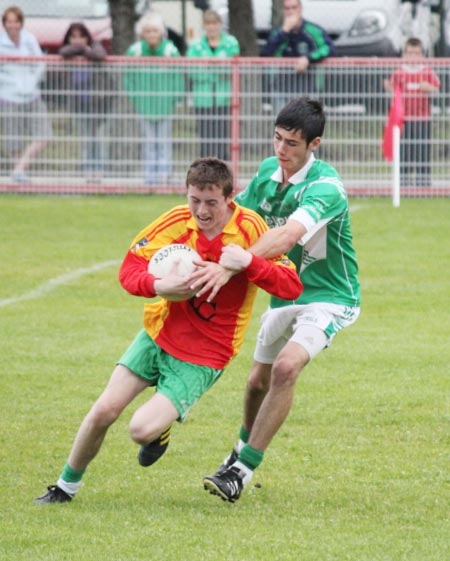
(291, 150)
(210, 208)
(413, 52)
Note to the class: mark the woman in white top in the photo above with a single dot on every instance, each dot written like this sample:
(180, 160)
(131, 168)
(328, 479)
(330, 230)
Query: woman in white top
(24, 114)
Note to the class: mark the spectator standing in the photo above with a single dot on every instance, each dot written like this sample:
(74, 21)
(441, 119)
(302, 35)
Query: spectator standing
(303, 40)
(211, 86)
(24, 113)
(90, 95)
(154, 90)
(416, 80)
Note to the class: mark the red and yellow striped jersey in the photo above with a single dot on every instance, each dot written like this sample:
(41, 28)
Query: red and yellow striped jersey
(194, 330)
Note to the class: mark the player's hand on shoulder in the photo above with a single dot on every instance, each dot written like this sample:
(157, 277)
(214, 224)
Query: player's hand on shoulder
(235, 257)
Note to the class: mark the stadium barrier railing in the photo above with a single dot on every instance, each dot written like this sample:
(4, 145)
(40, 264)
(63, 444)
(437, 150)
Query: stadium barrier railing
(132, 125)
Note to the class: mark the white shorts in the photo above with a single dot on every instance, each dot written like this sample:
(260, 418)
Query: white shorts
(313, 326)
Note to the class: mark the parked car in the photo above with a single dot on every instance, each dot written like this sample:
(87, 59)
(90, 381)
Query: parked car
(359, 28)
(49, 21)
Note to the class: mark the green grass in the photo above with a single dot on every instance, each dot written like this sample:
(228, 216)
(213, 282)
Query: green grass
(360, 470)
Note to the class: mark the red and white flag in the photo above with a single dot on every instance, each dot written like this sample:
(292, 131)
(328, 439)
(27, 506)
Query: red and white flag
(395, 119)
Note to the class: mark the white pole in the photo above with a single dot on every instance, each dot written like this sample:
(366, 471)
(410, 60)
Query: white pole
(396, 167)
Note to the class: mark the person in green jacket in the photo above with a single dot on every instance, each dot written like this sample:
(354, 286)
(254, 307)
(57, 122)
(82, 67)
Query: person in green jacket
(153, 91)
(211, 87)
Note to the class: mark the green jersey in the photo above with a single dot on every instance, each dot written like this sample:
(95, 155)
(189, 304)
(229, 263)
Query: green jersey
(153, 89)
(211, 84)
(325, 257)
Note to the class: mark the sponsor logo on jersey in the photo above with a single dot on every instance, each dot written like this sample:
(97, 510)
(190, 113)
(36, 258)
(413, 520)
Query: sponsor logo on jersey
(274, 221)
(141, 243)
(266, 206)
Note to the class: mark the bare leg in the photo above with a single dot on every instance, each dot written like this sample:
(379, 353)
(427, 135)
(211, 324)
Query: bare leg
(30, 152)
(265, 411)
(257, 387)
(277, 403)
(122, 388)
(152, 418)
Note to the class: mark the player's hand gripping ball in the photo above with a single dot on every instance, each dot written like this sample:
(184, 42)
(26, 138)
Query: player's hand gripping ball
(176, 258)
(163, 261)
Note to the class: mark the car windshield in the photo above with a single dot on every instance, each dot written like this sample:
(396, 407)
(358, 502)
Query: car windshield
(61, 8)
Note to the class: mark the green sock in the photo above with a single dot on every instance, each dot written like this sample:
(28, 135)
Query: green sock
(72, 475)
(244, 434)
(251, 457)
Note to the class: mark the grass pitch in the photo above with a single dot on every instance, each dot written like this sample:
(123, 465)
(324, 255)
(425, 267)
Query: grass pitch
(360, 470)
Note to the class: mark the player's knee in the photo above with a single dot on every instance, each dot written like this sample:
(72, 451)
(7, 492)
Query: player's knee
(103, 414)
(285, 371)
(138, 432)
(257, 386)
(143, 433)
(258, 382)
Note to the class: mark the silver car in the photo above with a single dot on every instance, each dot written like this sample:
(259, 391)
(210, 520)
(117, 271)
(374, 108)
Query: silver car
(359, 28)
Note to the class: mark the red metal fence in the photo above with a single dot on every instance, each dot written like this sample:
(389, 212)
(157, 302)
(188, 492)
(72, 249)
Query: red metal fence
(133, 125)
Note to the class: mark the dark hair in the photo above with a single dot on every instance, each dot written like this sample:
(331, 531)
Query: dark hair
(414, 42)
(305, 115)
(205, 173)
(81, 28)
(13, 10)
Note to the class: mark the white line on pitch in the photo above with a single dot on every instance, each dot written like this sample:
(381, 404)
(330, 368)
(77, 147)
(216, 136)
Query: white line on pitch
(52, 284)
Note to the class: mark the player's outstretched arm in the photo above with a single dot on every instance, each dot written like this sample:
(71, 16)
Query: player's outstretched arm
(276, 276)
(279, 240)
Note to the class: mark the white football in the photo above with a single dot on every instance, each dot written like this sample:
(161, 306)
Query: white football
(164, 259)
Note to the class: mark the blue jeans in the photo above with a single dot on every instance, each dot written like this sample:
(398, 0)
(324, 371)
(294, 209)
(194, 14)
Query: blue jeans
(415, 154)
(92, 148)
(157, 151)
(287, 84)
(213, 130)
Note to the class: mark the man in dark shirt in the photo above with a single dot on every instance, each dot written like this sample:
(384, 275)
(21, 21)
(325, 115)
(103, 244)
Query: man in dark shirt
(303, 40)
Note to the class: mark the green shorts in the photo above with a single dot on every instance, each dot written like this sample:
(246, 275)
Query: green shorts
(181, 382)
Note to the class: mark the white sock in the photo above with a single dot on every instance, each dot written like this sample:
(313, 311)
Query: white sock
(240, 445)
(67, 487)
(245, 472)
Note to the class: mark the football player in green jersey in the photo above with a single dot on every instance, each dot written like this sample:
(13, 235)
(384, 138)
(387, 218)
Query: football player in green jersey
(304, 202)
